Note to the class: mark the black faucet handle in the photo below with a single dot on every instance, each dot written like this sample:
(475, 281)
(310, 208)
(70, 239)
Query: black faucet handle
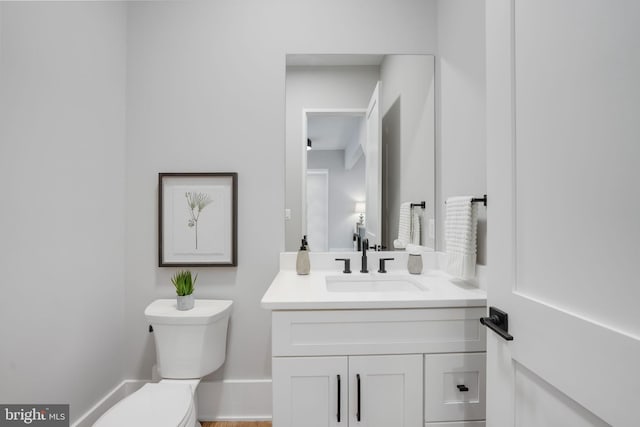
(347, 264)
(382, 261)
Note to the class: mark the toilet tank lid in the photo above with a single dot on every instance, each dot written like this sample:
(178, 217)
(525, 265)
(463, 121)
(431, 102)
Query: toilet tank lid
(204, 311)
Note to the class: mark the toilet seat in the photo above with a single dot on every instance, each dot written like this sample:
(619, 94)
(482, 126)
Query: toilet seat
(157, 405)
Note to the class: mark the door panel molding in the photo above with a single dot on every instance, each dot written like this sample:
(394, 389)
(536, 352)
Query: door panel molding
(590, 361)
(553, 353)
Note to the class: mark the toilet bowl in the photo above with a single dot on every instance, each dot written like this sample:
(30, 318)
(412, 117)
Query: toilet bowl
(155, 404)
(189, 345)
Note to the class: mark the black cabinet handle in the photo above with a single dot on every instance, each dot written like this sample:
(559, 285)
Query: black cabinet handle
(358, 411)
(498, 322)
(462, 387)
(338, 398)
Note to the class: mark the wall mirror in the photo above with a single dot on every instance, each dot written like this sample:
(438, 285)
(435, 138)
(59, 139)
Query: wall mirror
(360, 138)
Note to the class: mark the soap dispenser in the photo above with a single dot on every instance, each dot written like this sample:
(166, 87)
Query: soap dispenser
(414, 263)
(303, 266)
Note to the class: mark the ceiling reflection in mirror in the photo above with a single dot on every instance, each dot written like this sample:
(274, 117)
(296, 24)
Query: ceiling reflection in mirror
(360, 138)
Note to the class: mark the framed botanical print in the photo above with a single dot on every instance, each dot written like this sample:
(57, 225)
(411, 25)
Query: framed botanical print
(197, 219)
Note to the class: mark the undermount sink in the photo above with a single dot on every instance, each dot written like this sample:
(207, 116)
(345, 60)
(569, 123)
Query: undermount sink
(373, 284)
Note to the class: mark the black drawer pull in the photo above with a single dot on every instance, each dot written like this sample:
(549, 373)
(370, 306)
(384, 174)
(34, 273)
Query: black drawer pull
(358, 411)
(338, 398)
(462, 387)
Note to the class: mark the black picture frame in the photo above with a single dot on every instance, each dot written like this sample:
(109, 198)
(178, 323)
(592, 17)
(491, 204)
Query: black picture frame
(183, 199)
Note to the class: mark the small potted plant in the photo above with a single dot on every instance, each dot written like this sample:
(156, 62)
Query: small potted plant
(184, 288)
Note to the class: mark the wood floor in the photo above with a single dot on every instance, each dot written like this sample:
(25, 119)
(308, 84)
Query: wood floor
(236, 423)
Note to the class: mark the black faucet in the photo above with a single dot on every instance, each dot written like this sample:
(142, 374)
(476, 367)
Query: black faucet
(382, 260)
(347, 265)
(365, 245)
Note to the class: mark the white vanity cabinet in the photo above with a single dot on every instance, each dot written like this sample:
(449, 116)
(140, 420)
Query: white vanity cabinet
(310, 391)
(368, 391)
(454, 387)
(387, 367)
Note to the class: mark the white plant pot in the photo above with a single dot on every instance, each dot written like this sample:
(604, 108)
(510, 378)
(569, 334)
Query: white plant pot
(185, 302)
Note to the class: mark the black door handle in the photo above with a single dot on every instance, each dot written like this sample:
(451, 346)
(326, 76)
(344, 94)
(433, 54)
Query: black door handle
(462, 387)
(358, 410)
(498, 322)
(338, 398)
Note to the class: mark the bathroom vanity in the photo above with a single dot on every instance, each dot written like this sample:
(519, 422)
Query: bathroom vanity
(376, 349)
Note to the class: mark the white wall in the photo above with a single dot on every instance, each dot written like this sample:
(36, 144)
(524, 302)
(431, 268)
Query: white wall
(206, 92)
(409, 80)
(346, 186)
(316, 87)
(202, 89)
(62, 165)
(461, 154)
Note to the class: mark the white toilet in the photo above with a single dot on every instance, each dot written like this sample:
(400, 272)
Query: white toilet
(189, 345)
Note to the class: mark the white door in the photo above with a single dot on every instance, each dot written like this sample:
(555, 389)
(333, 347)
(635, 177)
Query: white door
(310, 391)
(385, 391)
(318, 209)
(373, 170)
(563, 149)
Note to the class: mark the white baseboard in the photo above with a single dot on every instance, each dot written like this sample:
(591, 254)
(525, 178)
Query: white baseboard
(122, 390)
(228, 400)
(246, 400)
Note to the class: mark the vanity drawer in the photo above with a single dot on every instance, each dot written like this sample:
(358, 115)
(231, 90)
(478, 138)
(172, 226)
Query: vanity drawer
(454, 387)
(402, 331)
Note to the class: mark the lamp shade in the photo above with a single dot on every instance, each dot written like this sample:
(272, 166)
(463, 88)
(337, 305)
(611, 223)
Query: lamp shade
(360, 207)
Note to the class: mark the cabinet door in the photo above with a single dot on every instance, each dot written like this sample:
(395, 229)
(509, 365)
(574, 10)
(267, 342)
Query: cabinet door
(309, 391)
(385, 391)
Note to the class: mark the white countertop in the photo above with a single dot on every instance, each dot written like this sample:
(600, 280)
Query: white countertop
(290, 291)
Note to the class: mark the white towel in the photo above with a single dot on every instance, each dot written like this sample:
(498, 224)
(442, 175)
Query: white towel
(460, 235)
(415, 227)
(408, 227)
(404, 227)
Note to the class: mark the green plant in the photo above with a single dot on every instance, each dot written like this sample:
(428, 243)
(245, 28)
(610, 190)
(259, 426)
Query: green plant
(183, 282)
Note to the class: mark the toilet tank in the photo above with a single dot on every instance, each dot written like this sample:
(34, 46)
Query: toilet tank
(191, 343)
